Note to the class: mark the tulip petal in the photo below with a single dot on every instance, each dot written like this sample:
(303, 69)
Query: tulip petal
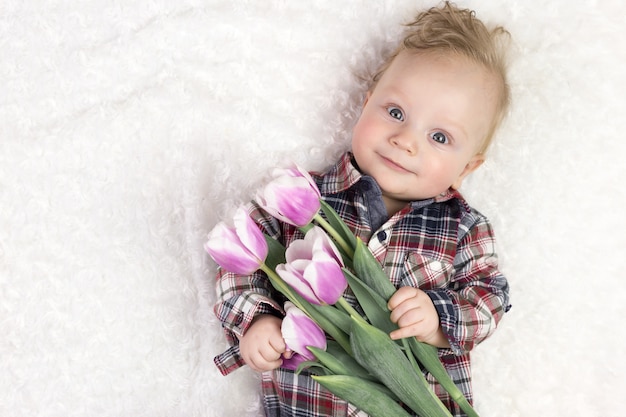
(321, 241)
(300, 331)
(313, 268)
(300, 204)
(297, 171)
(250, 235)
(226, 250)
(292, 196)
(294, 278)
(326, 278)
(293, 362)
(305, 174)
(299, 249)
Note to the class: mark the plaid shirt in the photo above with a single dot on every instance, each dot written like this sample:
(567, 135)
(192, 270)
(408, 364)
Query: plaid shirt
(440, 245)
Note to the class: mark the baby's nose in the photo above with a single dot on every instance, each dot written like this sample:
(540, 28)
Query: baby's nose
(406, 142)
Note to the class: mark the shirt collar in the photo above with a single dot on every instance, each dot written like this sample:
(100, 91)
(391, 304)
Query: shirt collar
(341, 176)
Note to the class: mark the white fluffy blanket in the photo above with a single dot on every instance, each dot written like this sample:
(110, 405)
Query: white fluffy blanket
(128, 129)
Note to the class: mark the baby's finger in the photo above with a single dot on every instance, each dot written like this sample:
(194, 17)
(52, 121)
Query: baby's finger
(400, 296)
(410, 317)
(408, 331)
(400, 333)
(269, 354)
(256, 362)
(407, 312)
(262, 365)
(278, 343)
(265, 361)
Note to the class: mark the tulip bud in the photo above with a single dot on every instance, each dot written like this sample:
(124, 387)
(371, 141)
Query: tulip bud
(313, 268)
(300, 331)
(240, 249)
(292, 196)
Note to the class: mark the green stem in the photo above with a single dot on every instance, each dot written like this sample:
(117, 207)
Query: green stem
(333, 233)
(409, 355)
(282, 286)
(349, 309)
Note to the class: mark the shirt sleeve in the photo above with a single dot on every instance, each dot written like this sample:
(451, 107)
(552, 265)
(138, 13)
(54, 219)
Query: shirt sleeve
(241, 298)
(472, 306)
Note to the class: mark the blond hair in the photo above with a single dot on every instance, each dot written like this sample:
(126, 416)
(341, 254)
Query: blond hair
(448, 29)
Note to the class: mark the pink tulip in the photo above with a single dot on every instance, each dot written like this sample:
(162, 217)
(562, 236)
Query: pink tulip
(299, 331)
(292, 196)
(313, 268)
(241, 249)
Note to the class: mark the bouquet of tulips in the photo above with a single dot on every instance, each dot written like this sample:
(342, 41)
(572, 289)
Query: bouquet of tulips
(349, 353)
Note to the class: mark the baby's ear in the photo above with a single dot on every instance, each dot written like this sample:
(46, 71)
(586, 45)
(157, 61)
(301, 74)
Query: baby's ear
(473, 164)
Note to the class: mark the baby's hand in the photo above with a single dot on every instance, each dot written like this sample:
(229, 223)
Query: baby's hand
(414, 312)
(262, 345)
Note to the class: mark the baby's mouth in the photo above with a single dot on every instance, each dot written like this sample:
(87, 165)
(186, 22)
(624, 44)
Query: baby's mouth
(393, 165)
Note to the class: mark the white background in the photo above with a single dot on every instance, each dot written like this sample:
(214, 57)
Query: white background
(128, 129)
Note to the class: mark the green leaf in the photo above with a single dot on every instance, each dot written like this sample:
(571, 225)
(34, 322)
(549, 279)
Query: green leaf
(338, 224)
(427, 355)
(374, 306)
(276, 252)
(383, 358)
(335, 349)
(313, 367)
(366, 395)
(376, 310)
(341, 364)
(370, 272)
(339, 318)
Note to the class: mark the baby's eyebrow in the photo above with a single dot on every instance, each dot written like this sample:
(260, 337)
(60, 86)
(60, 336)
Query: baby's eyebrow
(396, 92)
(455, 129)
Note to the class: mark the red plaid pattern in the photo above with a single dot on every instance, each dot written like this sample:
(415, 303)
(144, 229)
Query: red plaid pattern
(441, 245)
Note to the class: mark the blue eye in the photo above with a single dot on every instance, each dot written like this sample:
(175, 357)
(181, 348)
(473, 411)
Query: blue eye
(396, 113)
(439, 137)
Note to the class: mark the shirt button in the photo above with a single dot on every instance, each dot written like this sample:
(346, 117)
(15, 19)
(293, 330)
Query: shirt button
(382, 236)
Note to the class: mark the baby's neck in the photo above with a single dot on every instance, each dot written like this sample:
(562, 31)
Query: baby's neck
(393, 206)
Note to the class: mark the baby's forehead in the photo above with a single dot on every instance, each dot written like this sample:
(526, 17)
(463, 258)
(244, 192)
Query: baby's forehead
(440, 56)
(490, 81)
(410, 63)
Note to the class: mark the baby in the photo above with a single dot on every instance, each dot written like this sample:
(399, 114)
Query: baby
(427, 121)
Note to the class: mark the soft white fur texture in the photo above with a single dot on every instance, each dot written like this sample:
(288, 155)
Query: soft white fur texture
(128, 129)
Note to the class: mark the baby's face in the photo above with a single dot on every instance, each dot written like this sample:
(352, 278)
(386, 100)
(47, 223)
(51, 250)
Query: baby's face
(423, 124)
